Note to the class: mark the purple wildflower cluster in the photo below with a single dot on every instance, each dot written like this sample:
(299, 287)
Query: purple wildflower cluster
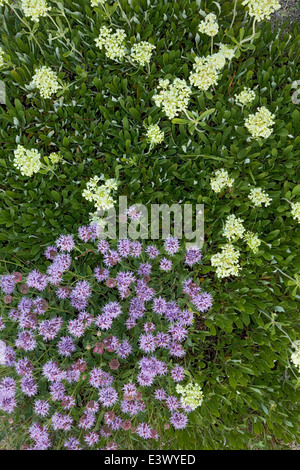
(66, 335)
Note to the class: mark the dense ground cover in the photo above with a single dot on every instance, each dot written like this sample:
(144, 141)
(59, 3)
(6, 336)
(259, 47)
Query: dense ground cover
(239, 351)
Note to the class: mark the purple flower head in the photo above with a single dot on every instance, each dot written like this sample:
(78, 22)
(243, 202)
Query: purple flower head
(66, 346)
(72, 444)
(160, 394)
(111, 258)
(159, 305)
(41, 408)
(124, 349)
(29, 386)
(40, 306)
(177, 373)
(165, 264)
(65, 243)
(50, 252)
(133, 213)
(62, 293)
(144, 292)
(24, 367)
(136, 249)
(144, 431)
(7, 284)
(152, 251)
(103, 246)
(172, 403)
(145, 269)
(176, 349)
(61, 421)
(91, 438)
(124, 247)
(147, 343)
(108, 396)
(101, 274)
(52, 372)
(37, 280)
(178, 420)
(84, 233)
(171, 245)
(193, 255)
(39, 434)
(49, 328)
(26, 341)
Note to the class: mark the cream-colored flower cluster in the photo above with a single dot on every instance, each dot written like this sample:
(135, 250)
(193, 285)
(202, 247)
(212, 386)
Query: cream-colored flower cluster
(226, 262)
(258, 197)
(154, 134)
(142, 52)
(295, 210)
(246, 97)
(206, 70)
(46, 81)
(221, 180)
(260, 124)
(295, 356)
(191, 395)
(34, 9)
(209, 25)
(113, 43)
(100, 194)
(173, 97)
(1, 57)
(27, 161)
(233, 228)
(262, 9)
(55, 157)
(205, 73)
(226, 51)
(252, 241)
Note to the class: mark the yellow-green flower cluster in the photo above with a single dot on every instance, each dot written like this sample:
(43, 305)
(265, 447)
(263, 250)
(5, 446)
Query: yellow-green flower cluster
(262, 9)
(100, 194)
(205, 73)
(55, 157)
(245, 97)
(191, 395)
(46, 81)
(295, 356)
(260, 124)
(295, 210)
(142, 52)
(174, 97)
(113, 43)
(34, 9)
(154, 134)
(233, 228)
(226, 51)
(258, 197)
(209, 25)
(27, 161)
(252, 241)
(221, 180)
(226, 262)
(206, 70)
